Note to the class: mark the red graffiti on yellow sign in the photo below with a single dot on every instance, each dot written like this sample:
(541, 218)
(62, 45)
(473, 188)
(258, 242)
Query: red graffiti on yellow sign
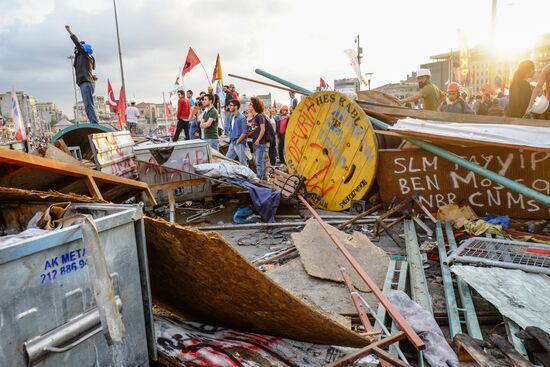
(331, 143)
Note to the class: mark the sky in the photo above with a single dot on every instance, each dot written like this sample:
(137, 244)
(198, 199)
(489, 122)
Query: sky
(300, 41)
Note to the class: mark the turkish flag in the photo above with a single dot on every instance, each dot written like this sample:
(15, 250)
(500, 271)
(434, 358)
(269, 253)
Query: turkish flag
(111, 101)
(121, 110)
(191, 61)
(168, 112)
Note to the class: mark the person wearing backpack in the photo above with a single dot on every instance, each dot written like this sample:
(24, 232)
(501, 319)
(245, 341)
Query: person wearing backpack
(281, 130)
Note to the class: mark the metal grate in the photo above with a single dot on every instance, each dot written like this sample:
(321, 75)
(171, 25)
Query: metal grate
(527, 256)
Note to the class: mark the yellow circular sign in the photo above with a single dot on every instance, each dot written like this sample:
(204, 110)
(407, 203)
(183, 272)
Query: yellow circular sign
(330, 141)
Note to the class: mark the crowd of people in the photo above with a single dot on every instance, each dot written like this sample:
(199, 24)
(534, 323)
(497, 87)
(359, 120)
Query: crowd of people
(518, 103)
(257, 127)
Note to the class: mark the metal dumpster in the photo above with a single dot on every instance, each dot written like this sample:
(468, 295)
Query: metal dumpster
(48, 311)
(160, 164)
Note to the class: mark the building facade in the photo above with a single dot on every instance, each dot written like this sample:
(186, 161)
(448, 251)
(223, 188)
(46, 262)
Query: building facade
(49, 113)
(405, 88)
(27, 105)
(347, 86)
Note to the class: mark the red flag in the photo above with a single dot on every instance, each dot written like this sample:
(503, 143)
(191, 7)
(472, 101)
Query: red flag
(111, 101)
(121, 110)
(168, 112)
(274, 103)
(191, 61)
(322, 84)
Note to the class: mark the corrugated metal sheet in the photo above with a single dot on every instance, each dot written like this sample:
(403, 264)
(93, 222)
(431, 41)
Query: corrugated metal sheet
(520, 296)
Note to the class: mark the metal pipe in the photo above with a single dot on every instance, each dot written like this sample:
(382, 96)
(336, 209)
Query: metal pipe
(267, 84)
(119, 50)
(495, 177)
(392, 311)
(270, 225)
(336, 216)
(283, 82)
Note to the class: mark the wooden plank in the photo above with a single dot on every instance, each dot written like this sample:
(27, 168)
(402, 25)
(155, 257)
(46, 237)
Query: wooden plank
(419, 285)
(467, 347)
(454, 117)
(448, 287)
(28, 160)
(508, 350)
(92, 187)
(437, 181)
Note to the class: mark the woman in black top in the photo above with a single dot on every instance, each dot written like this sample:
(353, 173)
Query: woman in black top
(520, 89)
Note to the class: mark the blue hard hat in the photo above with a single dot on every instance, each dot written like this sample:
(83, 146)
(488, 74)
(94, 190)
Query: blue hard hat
(88, 48)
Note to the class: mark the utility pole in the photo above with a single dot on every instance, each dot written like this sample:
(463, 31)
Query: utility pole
(119, 51)
(359, 50)
(71, 58)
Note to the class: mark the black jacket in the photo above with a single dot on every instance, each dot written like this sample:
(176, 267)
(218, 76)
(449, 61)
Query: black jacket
(84, 64)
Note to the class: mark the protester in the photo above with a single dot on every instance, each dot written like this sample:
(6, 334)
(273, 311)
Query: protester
(543, 79)
(209, 122)
(281, 130)
(256, 109)
(184, 110)
(237, 140)
(454, 102)
(132, 117)
(520, 89)
(293, 101)
(270, 137)
(484, 104)
(84, 64)
(194, 129)
(495, 109)
(228, 97)
(234, 93)
(429, 93)
(502, 100)
(189, 96)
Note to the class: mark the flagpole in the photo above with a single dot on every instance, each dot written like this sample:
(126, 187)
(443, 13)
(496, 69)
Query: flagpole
(205, 73)
(165, 108)
(119, 50)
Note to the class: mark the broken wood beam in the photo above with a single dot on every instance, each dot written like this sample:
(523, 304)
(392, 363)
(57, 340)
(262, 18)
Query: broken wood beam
(508, 350)
(392, 311)
(359, 216)
(382, 343)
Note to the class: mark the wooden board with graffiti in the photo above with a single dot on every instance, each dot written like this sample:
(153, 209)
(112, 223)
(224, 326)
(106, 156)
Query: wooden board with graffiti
(438, 181)
(331, 143)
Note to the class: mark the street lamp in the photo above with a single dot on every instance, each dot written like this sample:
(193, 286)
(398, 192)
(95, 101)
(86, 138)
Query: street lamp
(71, 58)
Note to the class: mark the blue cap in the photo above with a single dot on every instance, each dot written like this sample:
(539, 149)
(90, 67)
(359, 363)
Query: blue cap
(88, 48)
